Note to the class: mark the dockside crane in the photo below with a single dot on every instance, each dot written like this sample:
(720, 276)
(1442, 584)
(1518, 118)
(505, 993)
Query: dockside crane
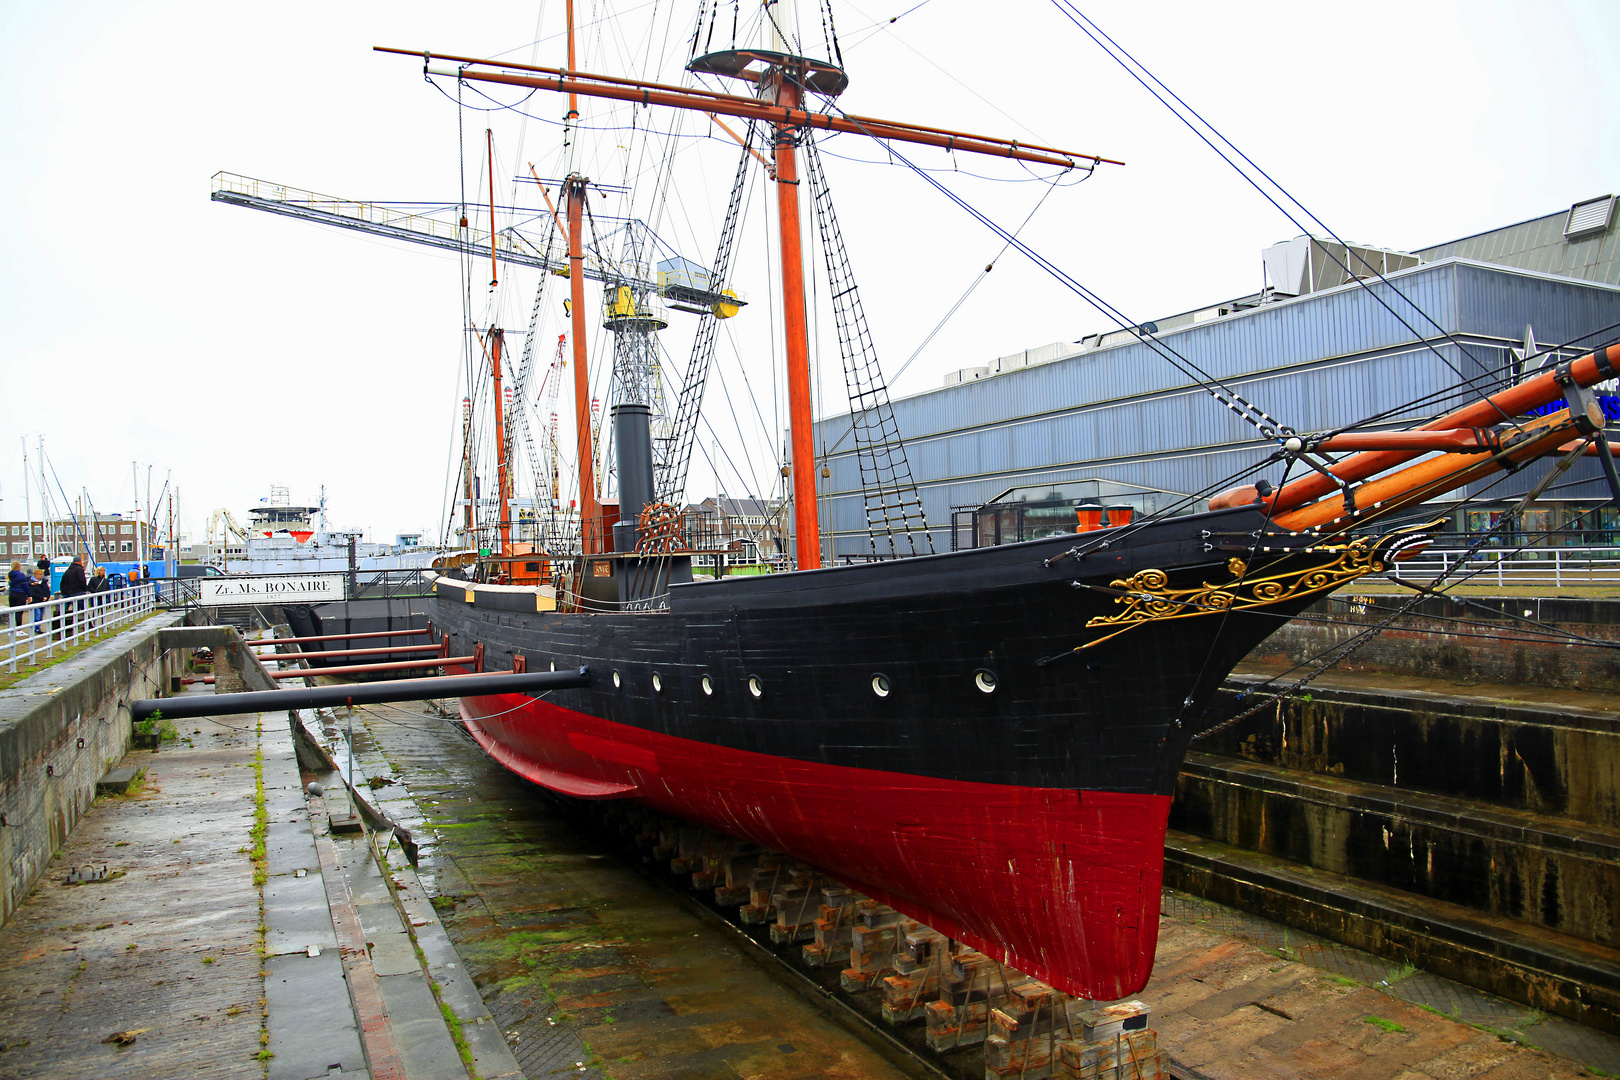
(630, 288)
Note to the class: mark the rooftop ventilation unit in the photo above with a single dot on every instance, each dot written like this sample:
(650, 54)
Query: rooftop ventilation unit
(1591, 216)
(1306, 264)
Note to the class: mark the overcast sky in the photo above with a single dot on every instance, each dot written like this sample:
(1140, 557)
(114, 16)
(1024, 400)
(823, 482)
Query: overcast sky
(233, 350)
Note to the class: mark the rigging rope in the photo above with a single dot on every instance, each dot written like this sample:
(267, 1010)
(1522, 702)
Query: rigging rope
(888, 490)
(1076, 16)
(671, 480)
(1245, 410)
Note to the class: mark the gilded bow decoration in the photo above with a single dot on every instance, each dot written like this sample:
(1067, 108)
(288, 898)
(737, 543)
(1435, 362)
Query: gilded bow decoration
(1148, 597)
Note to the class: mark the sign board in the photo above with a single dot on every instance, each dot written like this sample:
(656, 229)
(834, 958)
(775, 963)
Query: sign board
(270, 589)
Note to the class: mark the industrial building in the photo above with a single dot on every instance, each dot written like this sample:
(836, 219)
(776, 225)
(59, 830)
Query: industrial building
(1107, 419)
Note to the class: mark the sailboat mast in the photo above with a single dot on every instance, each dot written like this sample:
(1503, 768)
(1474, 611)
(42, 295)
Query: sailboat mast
(468, 539)
(787, 90)
(574, 195)
(496, 337)
(504, 522)
(781, 76)
(589, 510)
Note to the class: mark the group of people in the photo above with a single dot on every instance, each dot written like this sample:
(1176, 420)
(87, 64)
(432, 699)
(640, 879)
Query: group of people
(25, 587)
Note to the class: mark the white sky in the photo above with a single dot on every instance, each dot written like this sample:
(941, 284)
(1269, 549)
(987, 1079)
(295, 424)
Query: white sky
(139, 322)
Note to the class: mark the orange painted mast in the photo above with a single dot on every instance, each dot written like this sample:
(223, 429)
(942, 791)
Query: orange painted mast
(784, 79)
(642, 92)
(496, 337)
(590, 511)
(467, 469)
(788, 92)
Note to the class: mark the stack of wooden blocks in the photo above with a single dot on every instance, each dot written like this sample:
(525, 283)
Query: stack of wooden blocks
(797, 907)
(689, 840)
(961, 1014)
(834, 921)
(732, 888)
(875, 940)
(1042, 1033)
(762, 883)
(922, 965)
(1026, 1028)
(1115, 1043)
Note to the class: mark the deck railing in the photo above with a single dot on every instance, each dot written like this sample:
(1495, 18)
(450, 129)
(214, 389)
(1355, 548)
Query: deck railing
(1557, 567)
(37, 632)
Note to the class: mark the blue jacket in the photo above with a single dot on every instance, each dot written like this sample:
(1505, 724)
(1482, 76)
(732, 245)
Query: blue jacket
(18, 582)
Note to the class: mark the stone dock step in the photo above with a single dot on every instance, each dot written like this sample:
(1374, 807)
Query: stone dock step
(159, 940)
(1555, 972)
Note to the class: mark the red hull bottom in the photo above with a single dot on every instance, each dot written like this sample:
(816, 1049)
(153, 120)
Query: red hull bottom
(1060, 884)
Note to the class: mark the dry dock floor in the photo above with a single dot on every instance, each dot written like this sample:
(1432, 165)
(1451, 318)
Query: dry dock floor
(585, 966)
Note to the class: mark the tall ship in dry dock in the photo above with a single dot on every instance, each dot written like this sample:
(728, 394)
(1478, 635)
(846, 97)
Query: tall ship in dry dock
(987, 740)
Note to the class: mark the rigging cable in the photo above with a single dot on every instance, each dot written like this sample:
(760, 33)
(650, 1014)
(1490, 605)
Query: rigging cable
(1226, 395)
(1120, 56)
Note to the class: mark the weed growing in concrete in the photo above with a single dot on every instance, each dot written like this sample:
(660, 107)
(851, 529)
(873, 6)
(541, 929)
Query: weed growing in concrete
(261, 825)
(1383, 1025)
(1405, 971)
(451, 1020)
(208, 959)
(73, 982)
(261, 822)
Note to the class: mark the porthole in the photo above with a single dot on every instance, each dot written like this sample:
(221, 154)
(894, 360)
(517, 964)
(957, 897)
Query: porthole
(880, 685)
(985, 680)
(756, 687)
(616, 680)
(708, 686)
(658, 684)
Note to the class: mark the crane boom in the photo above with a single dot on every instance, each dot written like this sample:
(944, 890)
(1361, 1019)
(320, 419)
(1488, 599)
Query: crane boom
(379, 219)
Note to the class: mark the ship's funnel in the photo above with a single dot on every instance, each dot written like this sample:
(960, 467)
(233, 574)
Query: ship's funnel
(632, 444)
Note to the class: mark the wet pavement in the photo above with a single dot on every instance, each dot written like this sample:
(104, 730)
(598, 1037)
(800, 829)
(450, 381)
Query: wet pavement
(166, 948)
(589, 967)
(556, 958)
(583, 960)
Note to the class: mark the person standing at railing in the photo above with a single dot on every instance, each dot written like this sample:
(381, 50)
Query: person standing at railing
(39, 591)
(18, 594)
(73, 585)
(97, 587)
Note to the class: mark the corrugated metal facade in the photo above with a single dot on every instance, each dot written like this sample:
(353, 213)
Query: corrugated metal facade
(1540, 245)
(1125, 415)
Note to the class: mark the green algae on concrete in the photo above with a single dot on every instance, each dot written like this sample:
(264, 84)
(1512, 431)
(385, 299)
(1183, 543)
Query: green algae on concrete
(582, 961)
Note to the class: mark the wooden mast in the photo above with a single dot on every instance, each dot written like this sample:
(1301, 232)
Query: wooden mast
(783, 79)
(496, 337)
(590, 513)
(788, 92)
(504, 522)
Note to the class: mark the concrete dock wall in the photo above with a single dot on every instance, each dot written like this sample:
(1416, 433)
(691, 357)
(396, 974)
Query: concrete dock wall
(64, 727)
(1466, 640)
(60, 731)
(1409, 805)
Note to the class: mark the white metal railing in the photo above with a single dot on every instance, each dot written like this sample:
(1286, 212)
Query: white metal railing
(36, 632)
(1555, 566)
